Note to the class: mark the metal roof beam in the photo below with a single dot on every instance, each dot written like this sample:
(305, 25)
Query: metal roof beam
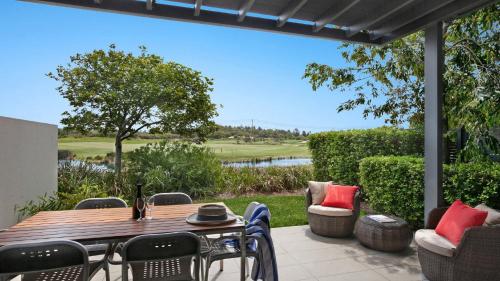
(456, 8)
(333, 14)
(244, 9)
(290, 11)
(419, 11)
(149, 4)
(197, 7)
(179, 13)
(353, 30)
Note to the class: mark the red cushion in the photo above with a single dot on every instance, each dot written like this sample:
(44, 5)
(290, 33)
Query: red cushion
(457, 219)
(340, 196)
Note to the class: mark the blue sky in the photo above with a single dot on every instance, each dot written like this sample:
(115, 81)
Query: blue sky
(257, 75)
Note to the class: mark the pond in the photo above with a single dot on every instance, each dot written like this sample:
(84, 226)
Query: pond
(282, 162)
(285, 162)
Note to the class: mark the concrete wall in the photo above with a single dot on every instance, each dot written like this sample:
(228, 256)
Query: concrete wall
(28, 164)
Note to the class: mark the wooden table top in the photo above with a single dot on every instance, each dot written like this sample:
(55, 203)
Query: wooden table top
(107, 224)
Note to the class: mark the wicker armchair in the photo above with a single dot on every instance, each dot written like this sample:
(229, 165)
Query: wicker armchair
(476, 258)
(332, 226)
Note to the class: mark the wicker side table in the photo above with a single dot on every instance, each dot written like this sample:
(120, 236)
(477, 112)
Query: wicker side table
(388, 237)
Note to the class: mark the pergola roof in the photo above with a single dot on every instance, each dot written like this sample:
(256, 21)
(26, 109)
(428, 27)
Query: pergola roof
(364, 21)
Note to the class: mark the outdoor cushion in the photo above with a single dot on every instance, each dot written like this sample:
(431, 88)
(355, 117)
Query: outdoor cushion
(340, 196)
(457, 219)
(431, 241)
(318, 191)
(329, 211)
(493, 217)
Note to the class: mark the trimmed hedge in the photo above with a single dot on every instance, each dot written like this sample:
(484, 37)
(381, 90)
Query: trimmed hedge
(336, 155)
(395, 185)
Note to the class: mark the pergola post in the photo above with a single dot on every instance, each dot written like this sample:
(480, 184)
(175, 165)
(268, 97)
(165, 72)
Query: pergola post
(433, 195)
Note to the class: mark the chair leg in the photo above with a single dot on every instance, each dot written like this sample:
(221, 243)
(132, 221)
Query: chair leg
(207, 267)
(221, 265)
(247, 267)
(106, 270)
(202, 270)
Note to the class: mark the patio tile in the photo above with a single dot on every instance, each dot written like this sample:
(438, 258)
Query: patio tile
(304, 256)
(294, 273)
(402, 273)
(334, 267)
(286, 260)
(368, 275)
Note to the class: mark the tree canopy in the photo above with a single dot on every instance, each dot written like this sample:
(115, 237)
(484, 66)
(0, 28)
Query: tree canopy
(118, 93)
(388, 81)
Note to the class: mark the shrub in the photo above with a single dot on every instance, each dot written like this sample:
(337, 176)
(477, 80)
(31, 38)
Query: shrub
(171, 167)
(63, 154)
(75, 181)
(71, 176)
(395, 185)
(473, 183)
(336, 155)
(264, 180)
(60, 200)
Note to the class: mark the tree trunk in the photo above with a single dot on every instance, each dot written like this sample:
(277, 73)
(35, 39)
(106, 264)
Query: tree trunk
(118, 155)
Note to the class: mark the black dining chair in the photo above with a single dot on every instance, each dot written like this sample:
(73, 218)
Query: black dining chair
(107, 249)
(101, 203)
(61, 260)
(170, 198)
(167, 257)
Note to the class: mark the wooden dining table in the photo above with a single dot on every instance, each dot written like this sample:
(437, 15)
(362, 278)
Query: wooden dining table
(112, 225)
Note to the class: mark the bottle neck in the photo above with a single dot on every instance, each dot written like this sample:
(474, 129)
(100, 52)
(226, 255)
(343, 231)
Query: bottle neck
(139, 191)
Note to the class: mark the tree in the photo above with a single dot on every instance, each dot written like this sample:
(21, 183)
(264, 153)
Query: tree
(388, 81)
(119, 93)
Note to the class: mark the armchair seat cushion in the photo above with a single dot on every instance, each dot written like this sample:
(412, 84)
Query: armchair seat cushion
(433, 242)
(329, 211)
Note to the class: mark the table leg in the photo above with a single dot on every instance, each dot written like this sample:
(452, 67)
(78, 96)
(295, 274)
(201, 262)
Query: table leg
(243, 247)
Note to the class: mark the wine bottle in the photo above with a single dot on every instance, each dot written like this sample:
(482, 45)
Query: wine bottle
(137, 200)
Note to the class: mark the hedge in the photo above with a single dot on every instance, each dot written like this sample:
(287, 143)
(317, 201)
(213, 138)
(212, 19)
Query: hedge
(336, 155)
(395, 185)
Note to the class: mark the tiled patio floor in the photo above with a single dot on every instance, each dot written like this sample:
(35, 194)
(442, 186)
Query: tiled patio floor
(304, 256)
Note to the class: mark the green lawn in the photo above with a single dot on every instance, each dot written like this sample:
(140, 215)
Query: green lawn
(227, 150)
(286, 210)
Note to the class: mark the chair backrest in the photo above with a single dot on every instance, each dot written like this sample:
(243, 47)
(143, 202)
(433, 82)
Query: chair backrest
(249, 210)
(101, 203)
(162, 257)
(55, 260)
(171, 198)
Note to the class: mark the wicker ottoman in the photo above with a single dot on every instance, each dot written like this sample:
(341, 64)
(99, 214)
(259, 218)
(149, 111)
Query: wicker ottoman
(388, 236)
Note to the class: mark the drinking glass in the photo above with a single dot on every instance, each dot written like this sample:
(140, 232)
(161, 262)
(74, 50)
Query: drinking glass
(141, 205)
(150, 204)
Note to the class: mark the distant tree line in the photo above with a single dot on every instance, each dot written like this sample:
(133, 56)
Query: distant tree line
(245, 133)
(224, 132)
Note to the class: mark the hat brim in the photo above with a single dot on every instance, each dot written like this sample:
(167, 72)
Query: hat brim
(193, 219)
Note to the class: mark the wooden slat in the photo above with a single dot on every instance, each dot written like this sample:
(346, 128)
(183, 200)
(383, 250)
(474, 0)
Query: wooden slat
(106, 224)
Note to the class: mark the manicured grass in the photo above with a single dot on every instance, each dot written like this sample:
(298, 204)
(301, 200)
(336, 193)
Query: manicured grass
(227, 150)
(286, 210)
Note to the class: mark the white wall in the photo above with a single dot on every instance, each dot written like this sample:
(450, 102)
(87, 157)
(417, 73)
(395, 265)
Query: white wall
(28, 164)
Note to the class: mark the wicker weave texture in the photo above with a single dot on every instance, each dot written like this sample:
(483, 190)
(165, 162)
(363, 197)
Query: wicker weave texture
(332, 226)
(476, 258)
(388, 237)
